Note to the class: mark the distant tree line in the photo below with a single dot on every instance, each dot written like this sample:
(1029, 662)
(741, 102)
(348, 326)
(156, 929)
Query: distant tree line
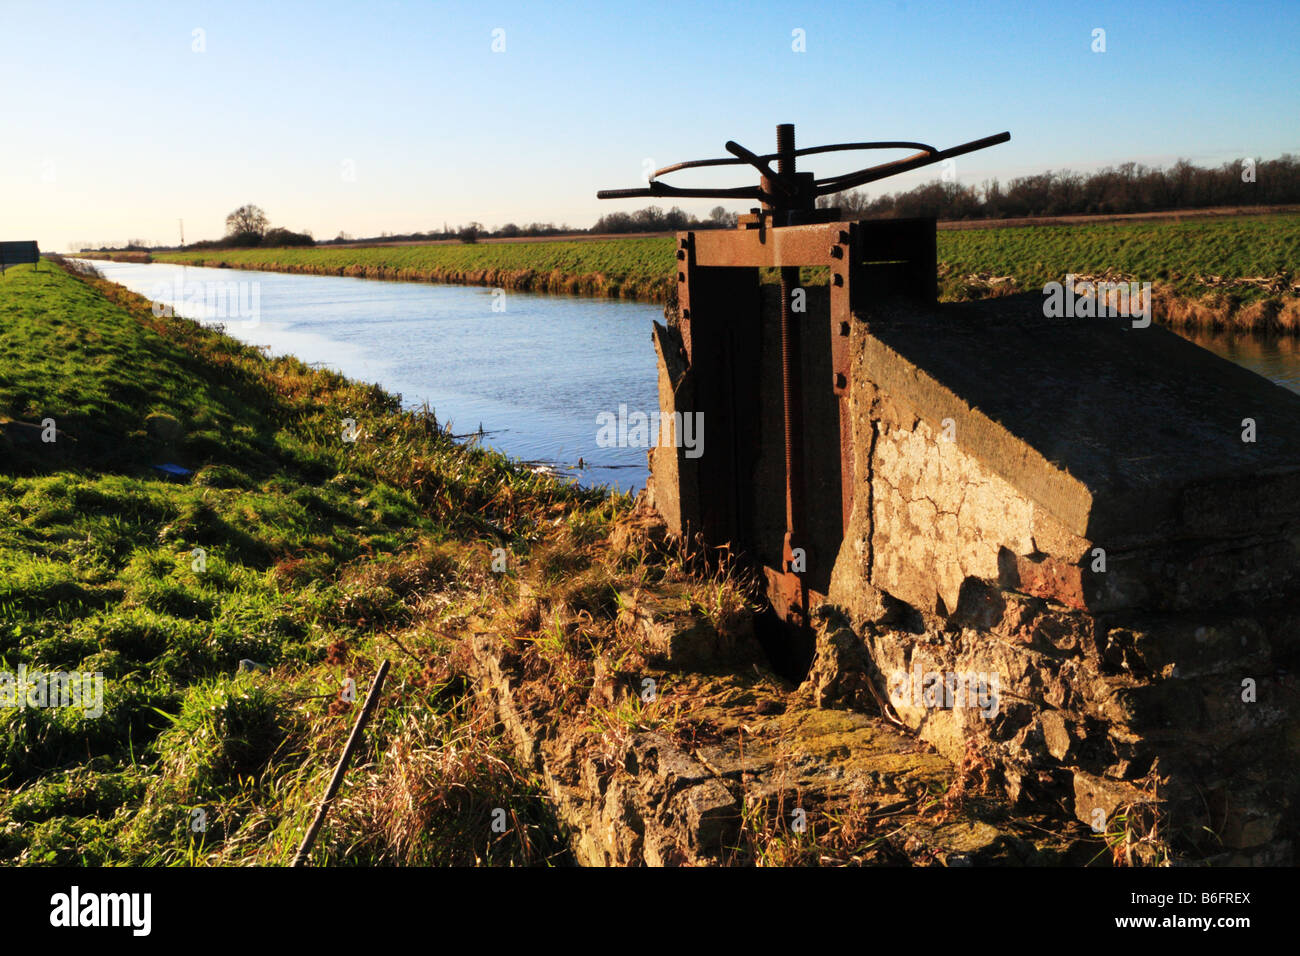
(654, 219)
(470, 232)
(650, 219)
(1128, 188)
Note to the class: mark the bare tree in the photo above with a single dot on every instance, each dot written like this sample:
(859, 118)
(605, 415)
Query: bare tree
(247, 220)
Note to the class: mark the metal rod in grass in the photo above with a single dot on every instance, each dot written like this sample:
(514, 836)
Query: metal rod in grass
(336, 781)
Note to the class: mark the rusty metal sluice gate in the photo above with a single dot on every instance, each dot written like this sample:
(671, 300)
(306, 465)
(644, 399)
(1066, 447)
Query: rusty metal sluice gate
(721, 327)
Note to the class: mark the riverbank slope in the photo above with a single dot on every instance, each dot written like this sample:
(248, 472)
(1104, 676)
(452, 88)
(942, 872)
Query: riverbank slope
(237, 608)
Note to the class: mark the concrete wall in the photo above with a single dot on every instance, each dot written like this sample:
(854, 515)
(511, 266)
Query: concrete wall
(1066, 511)
(1141, 655)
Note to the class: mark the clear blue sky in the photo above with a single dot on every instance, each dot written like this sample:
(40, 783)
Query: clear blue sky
(114, 127)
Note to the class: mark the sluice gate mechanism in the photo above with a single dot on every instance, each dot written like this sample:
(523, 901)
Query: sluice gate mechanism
(773, 390)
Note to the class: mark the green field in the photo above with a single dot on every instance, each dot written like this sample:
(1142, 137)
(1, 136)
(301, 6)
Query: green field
(1182, 256)
(320, 557)
(1202, 258)
(627, 268)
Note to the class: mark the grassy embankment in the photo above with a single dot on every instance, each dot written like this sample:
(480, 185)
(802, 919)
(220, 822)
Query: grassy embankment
(616, 268)
(321, 558)
(1241, 272)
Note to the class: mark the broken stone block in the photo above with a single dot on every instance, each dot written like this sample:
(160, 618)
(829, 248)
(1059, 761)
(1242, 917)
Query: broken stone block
(1056, 734)
(1097, 800)
(676, 633)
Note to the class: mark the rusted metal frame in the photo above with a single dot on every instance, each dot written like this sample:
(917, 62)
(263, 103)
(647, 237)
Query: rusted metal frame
(768, 248)
(718, 319)
(692, 517)
(846, 284)
(796, 541)
(792, 405)
(692, 509)
(686, 264)
(789, 247)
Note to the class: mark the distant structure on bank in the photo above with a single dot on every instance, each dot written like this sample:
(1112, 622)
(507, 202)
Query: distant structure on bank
(18, 253)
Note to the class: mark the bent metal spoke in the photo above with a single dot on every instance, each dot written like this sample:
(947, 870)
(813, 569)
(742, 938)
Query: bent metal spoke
(783, 187)
(663, 189)
(872, 174)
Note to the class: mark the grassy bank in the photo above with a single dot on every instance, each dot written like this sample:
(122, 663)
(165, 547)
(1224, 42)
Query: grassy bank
(228, 609)
(1232, 272)
(615, 268)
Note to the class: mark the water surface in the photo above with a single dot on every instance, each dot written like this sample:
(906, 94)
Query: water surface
(533, 372)
(1276, 358)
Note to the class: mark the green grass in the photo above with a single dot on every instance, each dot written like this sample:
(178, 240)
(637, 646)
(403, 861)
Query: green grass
(630, 268)
(1181, 256)
(320, 557)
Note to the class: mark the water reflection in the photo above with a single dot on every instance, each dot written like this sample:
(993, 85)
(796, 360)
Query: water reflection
(1275, 357)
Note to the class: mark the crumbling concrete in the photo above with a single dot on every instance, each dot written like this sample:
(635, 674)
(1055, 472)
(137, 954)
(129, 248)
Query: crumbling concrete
(732, 765)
